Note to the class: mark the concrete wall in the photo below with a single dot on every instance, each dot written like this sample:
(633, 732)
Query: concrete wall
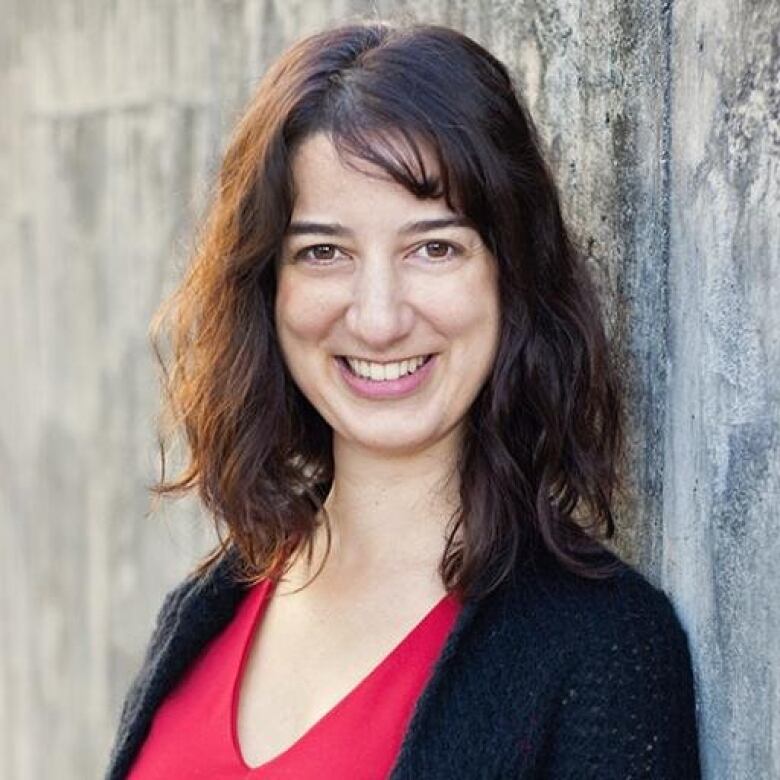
(662, 123)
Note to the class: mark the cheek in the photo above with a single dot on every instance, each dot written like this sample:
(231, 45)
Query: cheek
(466, 306)
(303, 311)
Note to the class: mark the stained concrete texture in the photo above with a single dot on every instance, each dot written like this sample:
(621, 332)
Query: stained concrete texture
(661, 122)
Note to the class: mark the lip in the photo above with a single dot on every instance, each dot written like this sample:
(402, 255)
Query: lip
(390, 388)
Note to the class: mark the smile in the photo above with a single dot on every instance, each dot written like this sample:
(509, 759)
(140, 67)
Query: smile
(383, 372)
(376, 381)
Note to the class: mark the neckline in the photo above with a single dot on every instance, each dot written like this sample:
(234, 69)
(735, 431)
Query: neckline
(263, 591)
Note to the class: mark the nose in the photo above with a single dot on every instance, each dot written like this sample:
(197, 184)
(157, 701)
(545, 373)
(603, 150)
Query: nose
(379, 314)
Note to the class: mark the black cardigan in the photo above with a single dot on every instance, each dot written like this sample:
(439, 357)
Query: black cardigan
(550, 676)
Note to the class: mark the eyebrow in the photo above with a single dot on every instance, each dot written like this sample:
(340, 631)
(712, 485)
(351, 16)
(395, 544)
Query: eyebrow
(336, 229)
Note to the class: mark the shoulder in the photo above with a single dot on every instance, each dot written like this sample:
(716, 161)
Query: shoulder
(628, 611)
(624, 601)
(625, 690)
(214, 592)
(617, 670)
(623, 621)
(623, 651)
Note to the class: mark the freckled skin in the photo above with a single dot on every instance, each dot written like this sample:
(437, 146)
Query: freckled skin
(383, 294)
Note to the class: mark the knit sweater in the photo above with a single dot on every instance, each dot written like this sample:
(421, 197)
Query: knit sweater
(550, 676)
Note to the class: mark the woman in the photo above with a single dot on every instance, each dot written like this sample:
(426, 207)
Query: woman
(394, 383)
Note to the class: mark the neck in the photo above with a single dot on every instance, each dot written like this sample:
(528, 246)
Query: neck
(388, 515)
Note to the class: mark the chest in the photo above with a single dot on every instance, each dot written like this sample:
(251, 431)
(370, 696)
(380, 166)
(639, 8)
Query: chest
(303, 660)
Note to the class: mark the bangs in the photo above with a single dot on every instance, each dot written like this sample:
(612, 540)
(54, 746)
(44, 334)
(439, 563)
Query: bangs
(392, 113)
(411, 157)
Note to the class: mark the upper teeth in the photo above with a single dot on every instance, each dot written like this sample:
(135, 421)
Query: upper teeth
(381, 372)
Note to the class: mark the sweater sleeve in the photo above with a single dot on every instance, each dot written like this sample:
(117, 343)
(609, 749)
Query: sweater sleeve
(628, 710)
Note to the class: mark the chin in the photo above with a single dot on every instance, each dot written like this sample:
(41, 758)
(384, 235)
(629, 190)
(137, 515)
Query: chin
(389, 440)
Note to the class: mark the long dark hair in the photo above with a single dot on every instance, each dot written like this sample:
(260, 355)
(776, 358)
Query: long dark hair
(539, 461)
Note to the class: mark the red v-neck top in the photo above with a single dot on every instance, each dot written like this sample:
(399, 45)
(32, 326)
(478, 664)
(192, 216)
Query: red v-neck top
(194, 735)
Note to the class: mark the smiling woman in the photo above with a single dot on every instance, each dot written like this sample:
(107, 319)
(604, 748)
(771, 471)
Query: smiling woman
(380, 304)
(389, 365)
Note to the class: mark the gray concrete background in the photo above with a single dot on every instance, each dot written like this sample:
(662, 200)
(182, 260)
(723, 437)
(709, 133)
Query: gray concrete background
(662, 121)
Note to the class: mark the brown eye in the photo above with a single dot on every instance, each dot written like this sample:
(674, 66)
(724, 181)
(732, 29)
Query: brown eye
(318, 253)
(439, 250)
(323, 251)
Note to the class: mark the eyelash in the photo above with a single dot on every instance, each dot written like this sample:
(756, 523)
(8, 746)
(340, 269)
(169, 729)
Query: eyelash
(455, 251)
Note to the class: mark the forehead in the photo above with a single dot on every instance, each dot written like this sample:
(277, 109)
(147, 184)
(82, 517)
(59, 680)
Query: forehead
(326, 176)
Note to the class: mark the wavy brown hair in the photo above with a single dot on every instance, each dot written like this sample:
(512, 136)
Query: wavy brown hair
(538, 465)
